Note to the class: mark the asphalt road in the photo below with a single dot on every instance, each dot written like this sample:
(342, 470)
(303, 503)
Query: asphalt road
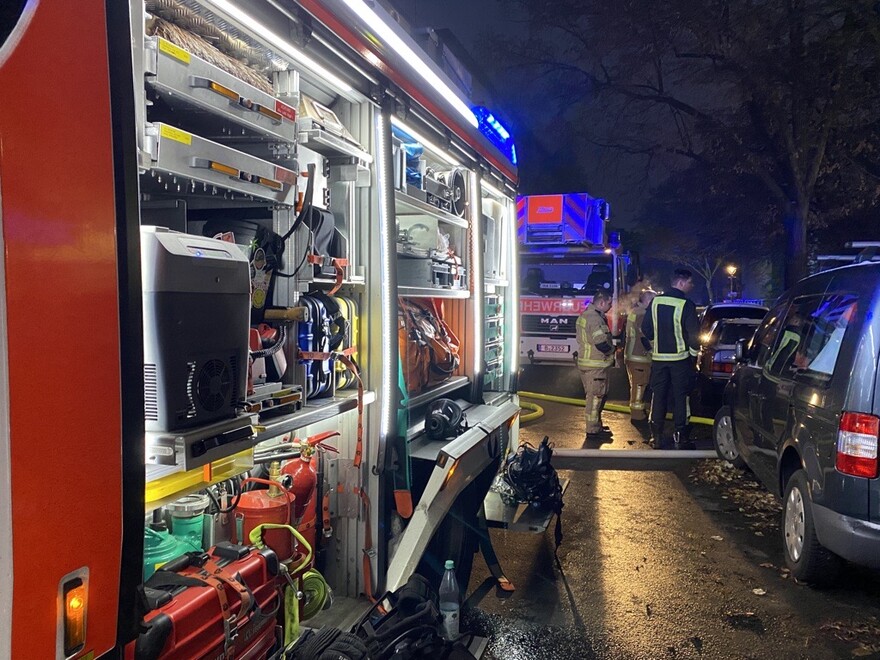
(683, 564)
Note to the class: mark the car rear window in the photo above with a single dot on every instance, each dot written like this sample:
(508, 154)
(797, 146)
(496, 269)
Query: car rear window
(732, 332)
(713, 314)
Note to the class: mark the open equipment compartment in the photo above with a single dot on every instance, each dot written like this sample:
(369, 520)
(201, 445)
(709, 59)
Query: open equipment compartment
(216, 118)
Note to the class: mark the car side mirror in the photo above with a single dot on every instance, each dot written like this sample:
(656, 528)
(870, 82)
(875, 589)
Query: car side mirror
(742, 350)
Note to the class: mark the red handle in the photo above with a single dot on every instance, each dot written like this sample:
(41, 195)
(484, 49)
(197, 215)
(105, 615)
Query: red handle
(320, 437)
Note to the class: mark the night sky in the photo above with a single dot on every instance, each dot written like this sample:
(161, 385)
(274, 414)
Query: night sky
(547, 144)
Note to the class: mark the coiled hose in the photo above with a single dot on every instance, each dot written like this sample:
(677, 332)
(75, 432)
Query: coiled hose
(612, 407)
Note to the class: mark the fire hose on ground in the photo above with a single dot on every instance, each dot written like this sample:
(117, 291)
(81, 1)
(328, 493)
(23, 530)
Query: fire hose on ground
(537, 412)
(612, 407)
(616, 459)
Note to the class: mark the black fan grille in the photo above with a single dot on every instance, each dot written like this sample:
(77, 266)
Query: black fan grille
(213, 385)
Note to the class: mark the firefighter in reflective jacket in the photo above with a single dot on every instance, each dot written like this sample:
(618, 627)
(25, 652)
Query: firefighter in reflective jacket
(671, 324)
(637, 355)
(595, 359)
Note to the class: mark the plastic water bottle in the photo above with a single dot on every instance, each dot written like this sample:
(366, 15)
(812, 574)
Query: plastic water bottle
(450, 602)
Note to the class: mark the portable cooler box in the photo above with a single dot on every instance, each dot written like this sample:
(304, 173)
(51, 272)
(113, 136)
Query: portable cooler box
(196, 301)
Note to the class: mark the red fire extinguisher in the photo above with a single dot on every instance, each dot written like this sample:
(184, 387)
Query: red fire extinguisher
(274, 505)
(304, 472)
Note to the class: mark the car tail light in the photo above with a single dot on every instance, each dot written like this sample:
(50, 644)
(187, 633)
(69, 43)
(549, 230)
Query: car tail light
(857, 444)
(723, 367)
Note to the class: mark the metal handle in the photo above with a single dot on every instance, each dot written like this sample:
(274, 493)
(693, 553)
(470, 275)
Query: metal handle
(235, 97)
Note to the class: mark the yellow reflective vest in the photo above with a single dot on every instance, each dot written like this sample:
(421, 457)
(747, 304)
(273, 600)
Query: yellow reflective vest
(634, 350)
(592, 330)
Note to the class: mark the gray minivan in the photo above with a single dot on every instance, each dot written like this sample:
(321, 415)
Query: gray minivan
(802, 410)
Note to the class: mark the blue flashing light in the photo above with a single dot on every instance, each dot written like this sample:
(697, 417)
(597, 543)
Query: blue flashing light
(496, 132)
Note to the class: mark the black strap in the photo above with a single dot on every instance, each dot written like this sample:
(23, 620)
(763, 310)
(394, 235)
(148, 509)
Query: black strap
(304, 212)
(161, 579)
(274, 348)
(306, 207)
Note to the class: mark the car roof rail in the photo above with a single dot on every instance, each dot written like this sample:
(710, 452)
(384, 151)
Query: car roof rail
(868, 254)
(861, 245)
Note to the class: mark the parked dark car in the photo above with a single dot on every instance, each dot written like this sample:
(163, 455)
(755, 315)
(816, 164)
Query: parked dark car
(717, 358)
(729, 310)
(802, 410)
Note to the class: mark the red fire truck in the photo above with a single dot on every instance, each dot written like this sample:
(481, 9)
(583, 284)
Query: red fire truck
(566, 254)
(160, 162)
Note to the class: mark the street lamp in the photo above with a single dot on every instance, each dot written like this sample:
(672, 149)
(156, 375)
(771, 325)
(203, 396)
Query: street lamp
(731, 273)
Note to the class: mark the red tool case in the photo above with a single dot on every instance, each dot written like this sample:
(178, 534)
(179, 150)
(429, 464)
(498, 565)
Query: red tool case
(187, 597)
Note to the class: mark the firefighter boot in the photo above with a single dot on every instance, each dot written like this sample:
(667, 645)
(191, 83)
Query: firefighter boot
(656, 436)
(680, 438)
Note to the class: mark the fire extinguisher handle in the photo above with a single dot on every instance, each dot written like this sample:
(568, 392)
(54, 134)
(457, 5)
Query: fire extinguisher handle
(320, 437)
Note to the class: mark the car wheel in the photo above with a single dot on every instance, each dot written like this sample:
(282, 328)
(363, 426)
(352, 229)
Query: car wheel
(722, 434)
(807, 559)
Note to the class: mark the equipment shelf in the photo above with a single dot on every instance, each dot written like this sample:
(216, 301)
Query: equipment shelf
(182, 78)
(445, 387)
(431, 292)
(352, 281)
(519, 517)
(312, 412)
(329, 145)
(197, 166)
(407, 205)
(166, 484)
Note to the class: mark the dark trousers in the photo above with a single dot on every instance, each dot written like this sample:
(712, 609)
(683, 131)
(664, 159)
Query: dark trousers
(678, 377)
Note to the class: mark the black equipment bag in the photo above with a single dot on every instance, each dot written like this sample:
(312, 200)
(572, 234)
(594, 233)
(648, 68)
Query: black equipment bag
(326, 241)
(327, 644)
(412, 627)
(533, 478)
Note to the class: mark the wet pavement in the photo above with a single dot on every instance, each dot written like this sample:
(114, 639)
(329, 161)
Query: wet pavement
(661, 565)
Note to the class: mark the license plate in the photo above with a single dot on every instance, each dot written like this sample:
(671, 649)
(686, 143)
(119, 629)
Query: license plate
(554, 348)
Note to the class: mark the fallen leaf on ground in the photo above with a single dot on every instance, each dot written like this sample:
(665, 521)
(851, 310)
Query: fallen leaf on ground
(767, 564)
(862, 651)
(759, 592)
(717, 538)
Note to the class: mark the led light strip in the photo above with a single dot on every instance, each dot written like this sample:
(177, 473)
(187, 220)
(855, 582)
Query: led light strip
(511, 301)
(281, 45)
(430, 146)
(384, 32)
(388, 300)
(493, 190)
(476, 266)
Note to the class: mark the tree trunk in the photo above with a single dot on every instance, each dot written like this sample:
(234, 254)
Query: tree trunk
(795, 224)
